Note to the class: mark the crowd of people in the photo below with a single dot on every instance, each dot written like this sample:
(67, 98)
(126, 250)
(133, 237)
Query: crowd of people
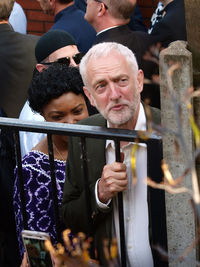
(90, 68)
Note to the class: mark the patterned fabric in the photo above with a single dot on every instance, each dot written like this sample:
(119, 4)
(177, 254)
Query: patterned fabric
(38, 194)
(157, 16)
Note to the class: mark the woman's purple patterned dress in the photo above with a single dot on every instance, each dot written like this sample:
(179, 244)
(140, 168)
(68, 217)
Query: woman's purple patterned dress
(38, 194)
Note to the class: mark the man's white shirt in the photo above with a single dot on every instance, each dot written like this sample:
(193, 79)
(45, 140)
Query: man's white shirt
(135, 203)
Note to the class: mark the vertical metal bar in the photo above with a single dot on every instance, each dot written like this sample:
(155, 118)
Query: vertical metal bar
(21, 179)
(87, 192)
(54, 186)
(121, 212)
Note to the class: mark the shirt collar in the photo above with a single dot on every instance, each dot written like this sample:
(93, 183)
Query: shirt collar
(107, 29)
(141, 121)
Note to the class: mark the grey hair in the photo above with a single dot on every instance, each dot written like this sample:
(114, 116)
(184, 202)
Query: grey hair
(120, 9)
(103, 50)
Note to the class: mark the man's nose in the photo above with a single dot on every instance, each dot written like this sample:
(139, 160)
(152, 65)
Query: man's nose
(114, 92)
(73, 63)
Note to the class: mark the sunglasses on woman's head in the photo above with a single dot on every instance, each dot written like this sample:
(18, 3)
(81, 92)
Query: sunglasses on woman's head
(66, 60)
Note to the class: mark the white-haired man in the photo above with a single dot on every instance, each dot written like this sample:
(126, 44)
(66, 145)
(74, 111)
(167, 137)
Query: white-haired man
(113, 84)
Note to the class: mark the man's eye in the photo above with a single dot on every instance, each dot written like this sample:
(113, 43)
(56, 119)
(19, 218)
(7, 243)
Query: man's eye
(100, 87)
(123, 81)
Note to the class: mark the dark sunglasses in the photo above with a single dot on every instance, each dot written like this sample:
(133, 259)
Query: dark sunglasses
(66, 60)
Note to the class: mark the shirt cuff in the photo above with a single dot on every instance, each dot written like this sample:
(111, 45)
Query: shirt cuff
(99, 203)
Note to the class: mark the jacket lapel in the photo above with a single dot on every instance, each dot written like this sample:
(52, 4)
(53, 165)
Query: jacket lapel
(156, 199)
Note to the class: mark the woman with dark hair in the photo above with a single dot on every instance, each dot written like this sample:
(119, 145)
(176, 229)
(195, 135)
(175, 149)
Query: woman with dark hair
(57, 95)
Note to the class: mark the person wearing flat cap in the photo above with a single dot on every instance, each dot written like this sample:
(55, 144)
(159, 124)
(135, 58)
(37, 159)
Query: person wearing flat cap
(54, 46)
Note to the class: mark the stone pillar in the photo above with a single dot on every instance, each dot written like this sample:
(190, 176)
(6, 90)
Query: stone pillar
(180, 217)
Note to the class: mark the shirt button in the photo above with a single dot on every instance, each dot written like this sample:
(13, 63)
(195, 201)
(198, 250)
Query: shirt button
(129, 247)
(128, 219)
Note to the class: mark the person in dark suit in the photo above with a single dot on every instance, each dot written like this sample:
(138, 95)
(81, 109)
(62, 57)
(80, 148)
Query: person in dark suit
(111, 20)
(172, 26)
(8, 237)
(17, 64)
(17, 59)
(113, 84)
(136, 22)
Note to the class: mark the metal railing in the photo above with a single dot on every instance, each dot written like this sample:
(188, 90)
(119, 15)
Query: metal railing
(82, 131)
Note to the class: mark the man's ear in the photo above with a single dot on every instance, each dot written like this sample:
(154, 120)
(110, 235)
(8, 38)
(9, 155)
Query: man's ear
(52, 3)
(89, 96)
(140, 80)
(40, 67)
(101, 10)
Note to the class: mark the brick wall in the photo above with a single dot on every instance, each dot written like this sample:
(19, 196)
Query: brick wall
(38, 22)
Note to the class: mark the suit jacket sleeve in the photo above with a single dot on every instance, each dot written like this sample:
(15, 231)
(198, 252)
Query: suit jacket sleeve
(79, 210)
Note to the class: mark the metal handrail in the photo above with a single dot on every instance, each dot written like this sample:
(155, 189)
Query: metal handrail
(78, 130)
(82, 131)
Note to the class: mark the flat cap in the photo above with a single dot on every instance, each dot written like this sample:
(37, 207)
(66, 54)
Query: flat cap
(50, 42)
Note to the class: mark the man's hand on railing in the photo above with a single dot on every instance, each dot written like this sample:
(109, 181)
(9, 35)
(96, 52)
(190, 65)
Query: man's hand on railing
(113, 181)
